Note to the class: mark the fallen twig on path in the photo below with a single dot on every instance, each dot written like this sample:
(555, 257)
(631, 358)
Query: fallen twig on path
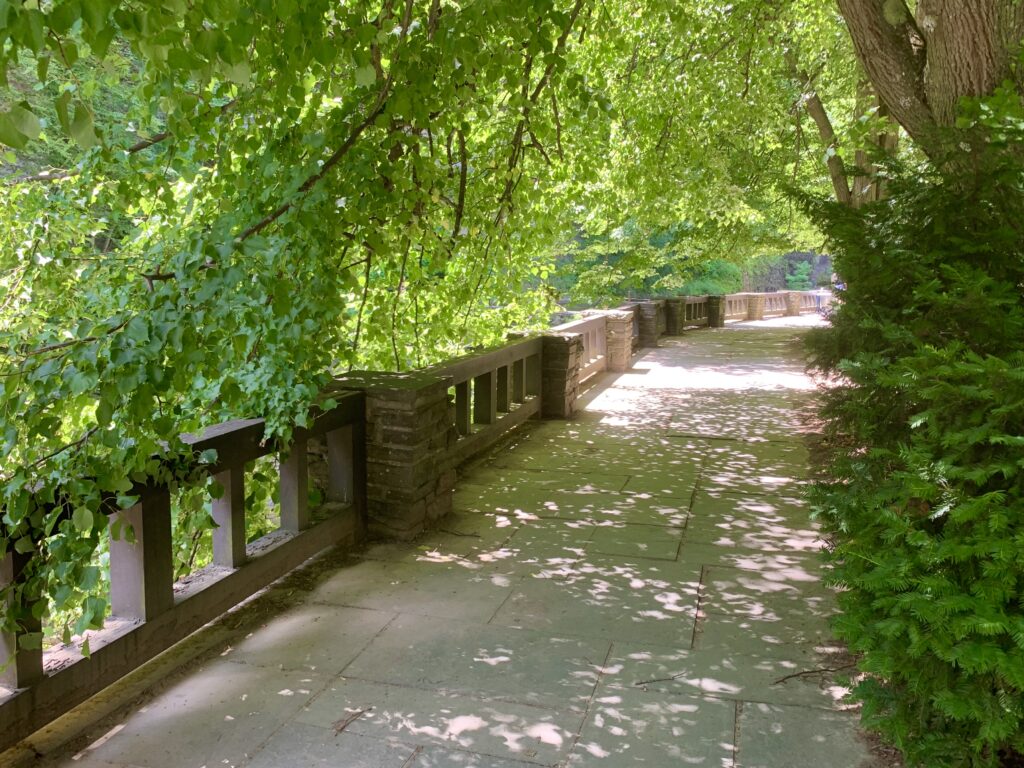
(345, 722)
(818, 671)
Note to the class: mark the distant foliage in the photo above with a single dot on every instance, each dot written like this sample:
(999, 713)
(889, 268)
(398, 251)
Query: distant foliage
(926, 509)
(714, 278)
(799, 277)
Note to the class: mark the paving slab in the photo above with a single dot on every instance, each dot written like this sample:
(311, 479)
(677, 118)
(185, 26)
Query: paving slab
(730, 675)
(784, 594)
(449, 723)
(673, 483)
(616, 599)
(457, 590)
(220, 715)
(653, 542)
(759, 524)
(513, 509)
(515, 665)
(498, 479)
(797, 737)
(798, 638)
(298, 745)
(434, 757)
(318, 640)
(632, 727)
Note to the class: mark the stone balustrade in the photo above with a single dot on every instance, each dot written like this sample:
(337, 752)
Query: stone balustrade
(384, 460)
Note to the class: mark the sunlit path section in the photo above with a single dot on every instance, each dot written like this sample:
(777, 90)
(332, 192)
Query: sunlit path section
(638, 586)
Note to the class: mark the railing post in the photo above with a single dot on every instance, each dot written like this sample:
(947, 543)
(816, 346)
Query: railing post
(561, 356)
(716, 311)
(619, 340)
(485, 398)
(519, 381)
(504, 390)
(294, 487)
(341, 463)
(407, 436)
(532, 375)
(674, 321)
(463, 413)
(792, 303)
(755, 306)
(229, 515)
(141, 560)
(649, 324)
(24, 666)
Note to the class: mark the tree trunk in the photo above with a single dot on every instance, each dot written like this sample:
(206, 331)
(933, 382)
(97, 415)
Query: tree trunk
(867, 186)
(921, 67)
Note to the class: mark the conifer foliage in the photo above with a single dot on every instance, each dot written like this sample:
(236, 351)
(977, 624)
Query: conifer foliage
(925, 511)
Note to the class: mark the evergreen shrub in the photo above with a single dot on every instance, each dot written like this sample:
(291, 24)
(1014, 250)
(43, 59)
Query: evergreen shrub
(924, 505)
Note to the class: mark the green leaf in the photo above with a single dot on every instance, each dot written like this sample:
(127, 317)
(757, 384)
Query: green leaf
(82, 129)
(24, 545)
(60, 105)
(366, 76)
(104, 412)
(24, 123)
(30, 641)
(82, 519)
(9, 134)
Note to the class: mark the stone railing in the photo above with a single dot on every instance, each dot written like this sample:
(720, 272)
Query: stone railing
(385, 459)
(150, 611)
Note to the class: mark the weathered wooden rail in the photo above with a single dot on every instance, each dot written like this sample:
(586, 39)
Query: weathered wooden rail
(386, 457)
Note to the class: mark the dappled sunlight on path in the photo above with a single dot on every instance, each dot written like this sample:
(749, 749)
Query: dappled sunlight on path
(638, 586)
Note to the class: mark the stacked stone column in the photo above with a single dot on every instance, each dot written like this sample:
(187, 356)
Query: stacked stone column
(561, 358)
(755, 306)
(619, 340)
(409, 430)
(792, 303)
(674, 317)
(649, 317)
(716, 311)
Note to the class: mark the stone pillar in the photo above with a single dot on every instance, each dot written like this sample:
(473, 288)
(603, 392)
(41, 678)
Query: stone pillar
(792, 303)
(619, 340)
(649, 324)
(409, 429)
(755, 306)
(674, 322)
(716, 311)
(561, 357)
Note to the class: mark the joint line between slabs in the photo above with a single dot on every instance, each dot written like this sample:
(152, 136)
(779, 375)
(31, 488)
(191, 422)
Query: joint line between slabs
(696, 617)
(366, 645)
(736, 734)
(412, 758)
(590, 702)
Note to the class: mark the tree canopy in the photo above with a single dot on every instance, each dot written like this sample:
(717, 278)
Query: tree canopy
(211, 207)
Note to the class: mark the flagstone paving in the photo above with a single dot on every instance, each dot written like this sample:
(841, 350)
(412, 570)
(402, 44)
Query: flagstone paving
(637, 587)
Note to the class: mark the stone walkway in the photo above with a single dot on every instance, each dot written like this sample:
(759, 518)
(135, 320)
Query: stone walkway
(638, 587)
